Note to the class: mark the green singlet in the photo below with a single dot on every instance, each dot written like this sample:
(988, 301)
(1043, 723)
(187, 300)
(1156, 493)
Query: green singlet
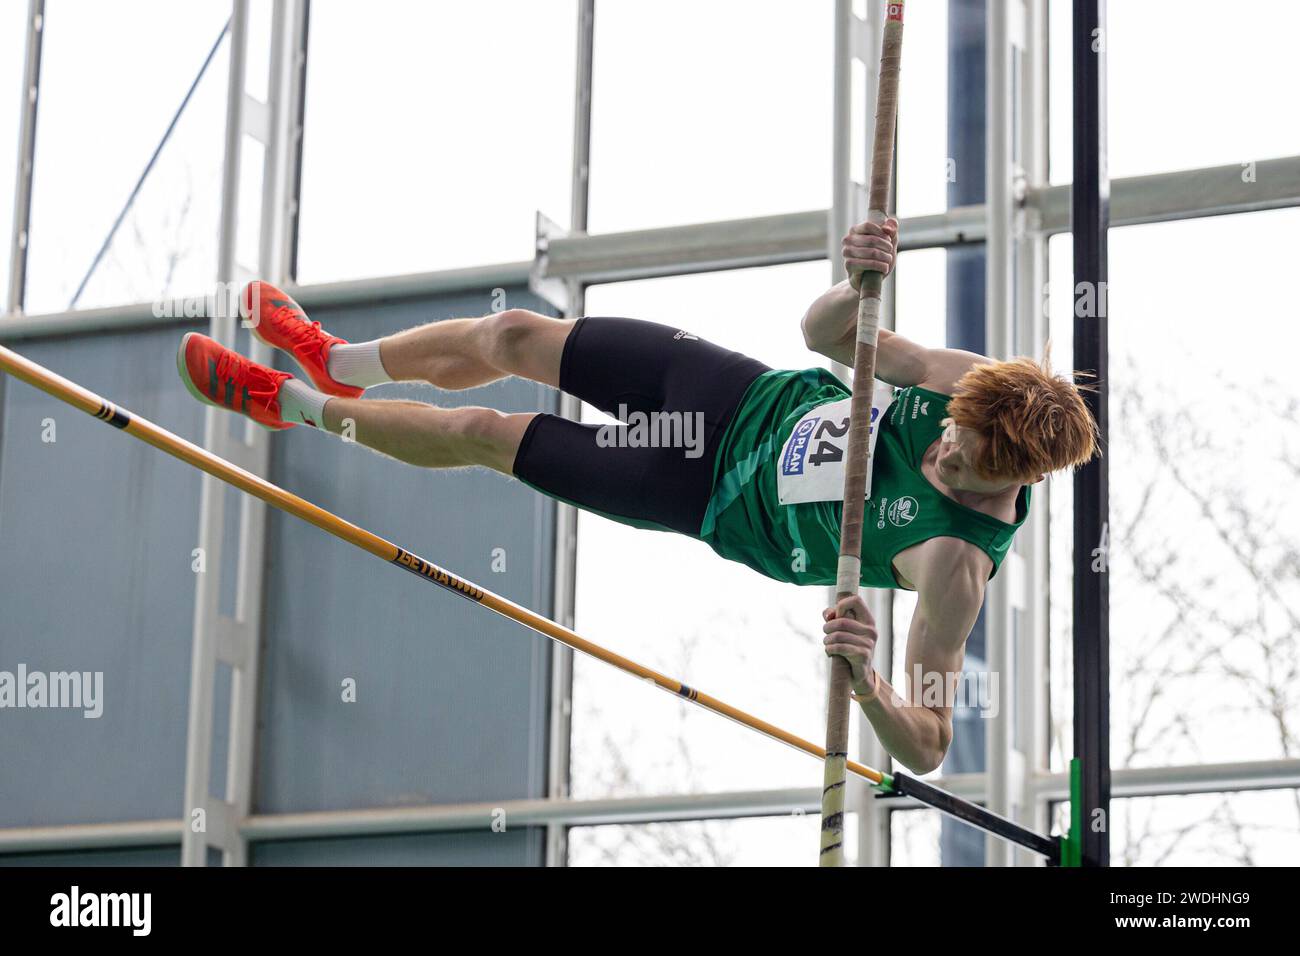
(799, 543)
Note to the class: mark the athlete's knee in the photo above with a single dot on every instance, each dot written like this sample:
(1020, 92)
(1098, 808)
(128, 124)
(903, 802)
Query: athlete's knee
(522, 342)
(475, 424)
(510, 334)
(490, 437)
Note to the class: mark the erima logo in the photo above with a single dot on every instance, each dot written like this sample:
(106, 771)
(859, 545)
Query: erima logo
(925, 408)
(686, 335)
(132, 910)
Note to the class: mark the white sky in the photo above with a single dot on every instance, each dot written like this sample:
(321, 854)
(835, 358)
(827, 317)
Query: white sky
(435, 130)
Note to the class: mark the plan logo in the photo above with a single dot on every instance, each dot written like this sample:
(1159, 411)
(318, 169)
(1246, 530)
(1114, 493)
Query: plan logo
(903, 510)
(132, 910)
(797, 449)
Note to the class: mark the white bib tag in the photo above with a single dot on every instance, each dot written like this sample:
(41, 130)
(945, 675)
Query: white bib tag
(811, 466)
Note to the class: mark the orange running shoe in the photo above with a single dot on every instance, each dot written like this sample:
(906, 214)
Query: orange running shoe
(282, 324)
(220, 376)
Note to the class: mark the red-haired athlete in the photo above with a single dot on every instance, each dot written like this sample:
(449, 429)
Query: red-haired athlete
(718, 446)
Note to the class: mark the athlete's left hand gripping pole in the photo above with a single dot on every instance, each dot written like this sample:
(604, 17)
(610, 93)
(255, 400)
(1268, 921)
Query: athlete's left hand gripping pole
(858, 466)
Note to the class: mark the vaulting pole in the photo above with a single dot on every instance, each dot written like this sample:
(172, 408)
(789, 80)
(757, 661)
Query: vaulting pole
(858, 465)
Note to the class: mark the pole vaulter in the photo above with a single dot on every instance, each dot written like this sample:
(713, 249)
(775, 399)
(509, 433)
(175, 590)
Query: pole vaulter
(1056, 850)
(858, 459)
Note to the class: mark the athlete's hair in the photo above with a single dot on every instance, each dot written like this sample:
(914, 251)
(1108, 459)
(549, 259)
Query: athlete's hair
(1032, 421)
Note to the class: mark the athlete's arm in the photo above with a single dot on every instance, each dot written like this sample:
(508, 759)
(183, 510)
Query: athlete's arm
(830, 325)
(917, 731)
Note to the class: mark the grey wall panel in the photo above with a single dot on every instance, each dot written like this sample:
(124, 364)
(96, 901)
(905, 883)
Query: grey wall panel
(96, 532)
(451, 699)
(513, 848)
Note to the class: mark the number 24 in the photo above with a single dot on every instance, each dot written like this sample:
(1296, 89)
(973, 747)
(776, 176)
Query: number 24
(827, 452)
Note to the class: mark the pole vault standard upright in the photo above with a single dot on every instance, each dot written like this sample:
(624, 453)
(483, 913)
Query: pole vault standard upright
(891, 784)
(848, 573)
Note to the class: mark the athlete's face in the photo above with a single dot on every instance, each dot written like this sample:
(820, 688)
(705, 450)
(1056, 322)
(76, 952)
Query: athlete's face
(957, 449)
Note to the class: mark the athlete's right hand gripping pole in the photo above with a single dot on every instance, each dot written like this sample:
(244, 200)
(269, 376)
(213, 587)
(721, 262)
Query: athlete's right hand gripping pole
(858, 465)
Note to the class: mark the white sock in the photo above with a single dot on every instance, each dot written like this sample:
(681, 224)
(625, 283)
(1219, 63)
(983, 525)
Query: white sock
(357, 364)
(302, 404)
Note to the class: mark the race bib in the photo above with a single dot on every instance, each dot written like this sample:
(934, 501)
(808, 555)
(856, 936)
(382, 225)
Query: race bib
(811, 466)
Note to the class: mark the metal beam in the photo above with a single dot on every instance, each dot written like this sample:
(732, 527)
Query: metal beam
(564, 586)
(1186, 779)
(772, 240)
(999, 343)
(1187, 194)
(700, 247)
(207, 812)
(480, 816)
(19, 234)
(989, 821)
(432, 818)
(193, 309)
(798, 237)
(1090, 223)
(1134, 783)
(91, 836)
(275, 124)
(1031, 611)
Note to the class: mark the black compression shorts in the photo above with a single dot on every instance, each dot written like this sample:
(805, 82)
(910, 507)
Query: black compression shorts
(625, 367)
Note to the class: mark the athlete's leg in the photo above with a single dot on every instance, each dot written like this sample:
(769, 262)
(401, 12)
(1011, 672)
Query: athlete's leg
(413, 432)
(612, 363)
(464, 353)
(451, 354)
(428, 436)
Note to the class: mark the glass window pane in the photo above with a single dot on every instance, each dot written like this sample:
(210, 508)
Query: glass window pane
(105, 105)
(672, 604)
(1204, 460)
(1191, 84)
(1251, 828)
(922, 164)
(921, 296)
(929, 838)
(13, 42)
(704, 111)
(1060, 497)
(756, 841)
(433, 135)
(628, 739)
